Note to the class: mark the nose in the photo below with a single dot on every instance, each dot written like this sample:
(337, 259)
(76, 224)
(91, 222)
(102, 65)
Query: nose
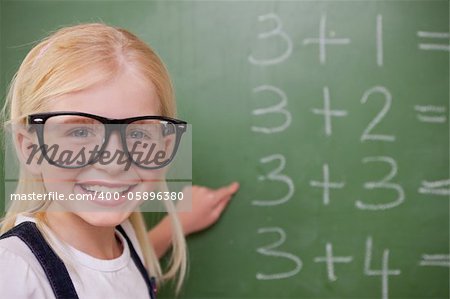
(113, 159)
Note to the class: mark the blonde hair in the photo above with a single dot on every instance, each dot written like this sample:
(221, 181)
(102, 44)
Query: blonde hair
(58, 65)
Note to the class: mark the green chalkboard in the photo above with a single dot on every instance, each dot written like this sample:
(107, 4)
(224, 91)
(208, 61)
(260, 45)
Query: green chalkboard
(333, 115)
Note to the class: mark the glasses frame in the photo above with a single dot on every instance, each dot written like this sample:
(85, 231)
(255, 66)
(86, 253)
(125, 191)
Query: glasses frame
(38, 120)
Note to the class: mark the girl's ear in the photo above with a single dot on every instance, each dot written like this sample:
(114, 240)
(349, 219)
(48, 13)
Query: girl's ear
(28, 151)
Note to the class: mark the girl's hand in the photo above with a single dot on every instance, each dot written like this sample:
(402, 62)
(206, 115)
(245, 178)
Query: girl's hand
(207, 206)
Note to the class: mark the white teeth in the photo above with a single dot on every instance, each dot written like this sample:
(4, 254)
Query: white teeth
(98, 188)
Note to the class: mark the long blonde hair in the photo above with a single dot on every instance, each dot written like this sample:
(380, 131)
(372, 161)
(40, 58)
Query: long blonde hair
(55, 67)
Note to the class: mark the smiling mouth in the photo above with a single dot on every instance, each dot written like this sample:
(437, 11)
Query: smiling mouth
(96, 188)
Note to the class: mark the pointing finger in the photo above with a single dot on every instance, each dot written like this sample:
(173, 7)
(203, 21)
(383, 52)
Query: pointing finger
(226, 191)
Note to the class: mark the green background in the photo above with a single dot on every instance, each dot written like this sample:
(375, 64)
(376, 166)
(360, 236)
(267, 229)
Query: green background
(206, 45)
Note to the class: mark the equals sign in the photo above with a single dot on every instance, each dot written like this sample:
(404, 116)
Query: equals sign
(434, 35)
(436, 187)
(431, 111)
(440, 260)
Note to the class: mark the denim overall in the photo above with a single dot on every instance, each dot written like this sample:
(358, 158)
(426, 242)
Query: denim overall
(54, 268)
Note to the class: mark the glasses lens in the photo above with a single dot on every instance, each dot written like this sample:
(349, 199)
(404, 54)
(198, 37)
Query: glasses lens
(151, 143)
(71, 140)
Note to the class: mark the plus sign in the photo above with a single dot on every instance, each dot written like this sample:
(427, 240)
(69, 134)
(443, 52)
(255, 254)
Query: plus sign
(327, 112)
(326, 184)
(322, 40)
(330, 260)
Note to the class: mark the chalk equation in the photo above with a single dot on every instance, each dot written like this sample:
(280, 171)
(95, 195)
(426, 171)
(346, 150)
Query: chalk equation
(427, 41)
(274, 254)
(331, 111)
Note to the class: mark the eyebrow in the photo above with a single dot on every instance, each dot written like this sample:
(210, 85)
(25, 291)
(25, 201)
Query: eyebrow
(147, 122)
(77, 120)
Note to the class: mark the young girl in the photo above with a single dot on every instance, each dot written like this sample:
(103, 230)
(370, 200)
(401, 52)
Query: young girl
(93, 74)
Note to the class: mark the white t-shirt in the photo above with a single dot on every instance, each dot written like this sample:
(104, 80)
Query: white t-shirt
(21, 275)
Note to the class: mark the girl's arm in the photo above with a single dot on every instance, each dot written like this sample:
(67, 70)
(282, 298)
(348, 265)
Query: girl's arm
(207, 206)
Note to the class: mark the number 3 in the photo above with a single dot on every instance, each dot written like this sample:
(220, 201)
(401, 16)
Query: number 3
(277, 31)
(268, 250)
(384, 184)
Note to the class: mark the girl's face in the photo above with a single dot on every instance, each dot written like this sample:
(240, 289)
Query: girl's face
(125, 96)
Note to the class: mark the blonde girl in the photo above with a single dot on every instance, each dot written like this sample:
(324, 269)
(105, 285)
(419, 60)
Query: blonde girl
(99, 74)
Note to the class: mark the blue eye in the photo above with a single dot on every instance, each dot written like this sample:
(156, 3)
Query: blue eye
(137, 135)
(80, 133)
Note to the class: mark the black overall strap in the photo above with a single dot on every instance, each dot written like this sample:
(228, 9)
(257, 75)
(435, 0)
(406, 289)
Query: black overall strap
(151, 284)
(53, 266)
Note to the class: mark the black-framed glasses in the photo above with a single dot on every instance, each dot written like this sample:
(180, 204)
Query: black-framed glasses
(75, 139)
